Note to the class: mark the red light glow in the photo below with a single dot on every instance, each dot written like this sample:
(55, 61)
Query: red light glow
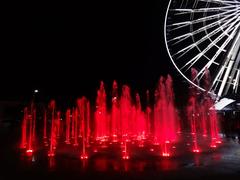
(29, 152)
(196, 150)
(51, 154)
(84, 156)
(165, 154)
(125, 157)
(213, 146)
(121, 124)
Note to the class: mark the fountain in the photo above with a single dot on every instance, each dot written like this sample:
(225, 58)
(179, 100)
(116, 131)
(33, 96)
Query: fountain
(101, 126)
(148, 114)
(127, 125)
(75, 119)
(24, 129)
(140, 121)
(83, 106)
(68, 125)
(45, 128)
(115, 121)
(126, 113)
(165, 120)
(29, 129)
(211, 115)
(51, 151)
(201, 113)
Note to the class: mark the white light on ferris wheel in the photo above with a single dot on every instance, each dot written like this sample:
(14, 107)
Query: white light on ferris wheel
(205, 35)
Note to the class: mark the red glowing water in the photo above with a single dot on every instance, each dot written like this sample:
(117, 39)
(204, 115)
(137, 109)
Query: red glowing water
(58, 123)
(140, 121)
(88, 127)
(34, 125)
(83, 106)
(202, 115)
(193, 116)
(101, 114)
(75, 119)
(126, 123)
(24, 130)
(125, 152)
(45, 126)
(51, 152)
(115, 121)
(125, 111)
(73, 123)
(29, 150)
(204, 120)
(214, 129)
(165, 118)
(68, 126)
(148, 114)
(28, 129)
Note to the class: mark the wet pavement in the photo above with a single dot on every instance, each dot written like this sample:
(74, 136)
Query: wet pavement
(220, 163)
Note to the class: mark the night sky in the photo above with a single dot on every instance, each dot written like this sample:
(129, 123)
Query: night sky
(64, 50)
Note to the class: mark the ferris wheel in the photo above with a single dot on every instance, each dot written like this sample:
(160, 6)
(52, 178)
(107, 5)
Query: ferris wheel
(205, 35)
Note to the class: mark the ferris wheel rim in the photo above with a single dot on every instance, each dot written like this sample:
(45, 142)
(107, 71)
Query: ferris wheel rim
(228, 72)
(168, 51)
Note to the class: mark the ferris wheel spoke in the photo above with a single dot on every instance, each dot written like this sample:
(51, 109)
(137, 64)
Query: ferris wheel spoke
(220, 1)
(201, 72)
(182, 3)
(217, 79)
(183, 24)
(185, 50)
(179, 25)
(205, 10)
(202, 29)
(205, 36)
(197, 58)
(191, 46)
(236, 83)
(228, 68)
(212, 17)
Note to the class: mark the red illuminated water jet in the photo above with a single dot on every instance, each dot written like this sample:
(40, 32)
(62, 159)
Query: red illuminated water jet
(211, 114)
(101, 125)
(202, 114)
(88, 127)
(193, 111)
(193, 116)
(30, 128)
(115, 114)
(24, 129)
(58, 124)
(214, 129)
(126, 112)
(148, 114)
(125, 152)
(83, 109)
(51, 152)
(76, 124)
(68, 126)
(124, 122)
(165, 118)
(140, 121)
(73, 123)
(45, 140)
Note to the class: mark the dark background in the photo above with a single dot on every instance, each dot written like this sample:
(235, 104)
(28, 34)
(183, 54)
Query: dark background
(64, 50)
